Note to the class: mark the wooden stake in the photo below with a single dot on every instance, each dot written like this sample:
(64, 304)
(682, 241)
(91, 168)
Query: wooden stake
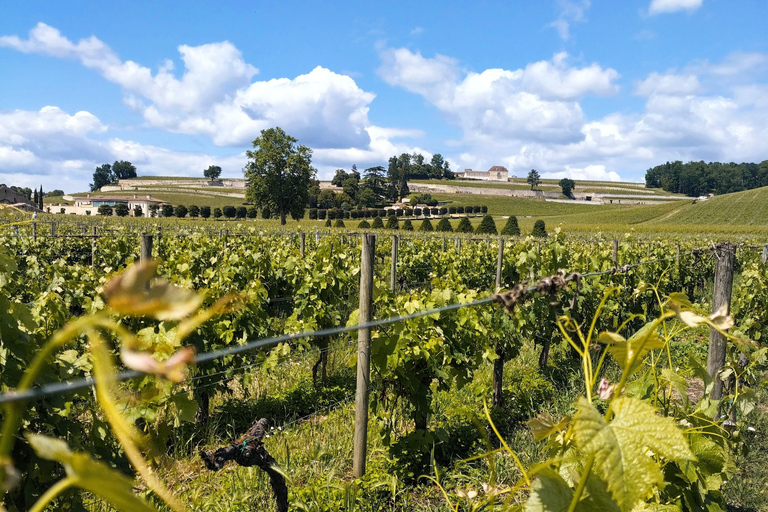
(146, 247)
(393, 269)
(725, 255)
(363, 355)
(302, 243)
(499, 263)
(34, 231)
(615, 253)
(93, 248)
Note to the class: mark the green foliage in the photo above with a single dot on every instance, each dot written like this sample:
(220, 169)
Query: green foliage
(279, 174)
(511, 228)
(487, 226)
(377, 223)
(407, 225)
(567, 185)
(212, 172)
(181, 211)
(392, 222)
(534, 180)
(363, 224)
(121, 210)
(444, 225)
(339, 223)
(539, 229)
(104, 210)
(426, 225)
(465, 226)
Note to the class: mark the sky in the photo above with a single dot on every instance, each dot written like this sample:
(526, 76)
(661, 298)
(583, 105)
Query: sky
(573, 88)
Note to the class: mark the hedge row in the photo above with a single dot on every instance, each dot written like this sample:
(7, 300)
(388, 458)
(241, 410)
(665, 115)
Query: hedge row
(338, 213)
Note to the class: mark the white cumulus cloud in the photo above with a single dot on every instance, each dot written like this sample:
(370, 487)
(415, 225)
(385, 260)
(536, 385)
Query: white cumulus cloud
(665, 6)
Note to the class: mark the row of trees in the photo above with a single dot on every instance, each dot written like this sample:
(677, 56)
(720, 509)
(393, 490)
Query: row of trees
(181, 211)
(339, 213)
(700, 178)
(106, 174)
(487, 226)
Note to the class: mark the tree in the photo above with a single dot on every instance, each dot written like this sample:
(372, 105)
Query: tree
(363, 224)
(397, 176)
(205, 212)
(567, 185)
(104, 210)
(374, 180)
(539, 229)
(54, 193)
(377, 223)
(436, 166)
(194, 211)
(103, 175)
(40, 198)
(181, 211)
(339, 177)
(464, 226)
(35, 199)
(217, 213)
(486, 227)
(279, 174)
(534, 180)
(212, 172)
(167, 210)
(339, 224)
(123, 170)
(407, 225)
(229, 212)
(121, 210)
(137, 211)
(153, 209)
(254, 213)
(392, 222)
(511, 228)
(426, 225)
(444, 225)
(266, 213)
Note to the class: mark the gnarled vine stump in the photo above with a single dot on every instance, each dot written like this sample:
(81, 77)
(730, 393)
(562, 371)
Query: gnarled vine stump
(247, 451)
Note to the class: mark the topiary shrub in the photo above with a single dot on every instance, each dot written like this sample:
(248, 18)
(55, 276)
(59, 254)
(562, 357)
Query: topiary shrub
(181, 211)
(321, 214)
(459, 209)
(407, 225)
(477, 209)
(444, 225)
(377, 223)
(328, 223)
(346, 214)
(312, 214)
(339, 224)
(539, 229)
(399, 212)
(483, 209)
(417, 212)
(205, 211)
(451, 210)
(229, 212)
(355, 214)
(487, 226)
(266, 213)
(511, 228)
(443, 210)
(242, 212)
(216, 213)
(392, 222)
(194, 211)
(363, 224)
(383, 213)
(464, 226)
(408, 212)
(254, 213)
(426, 225)
(331, 214)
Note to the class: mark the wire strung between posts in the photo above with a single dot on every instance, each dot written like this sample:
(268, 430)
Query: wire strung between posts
(75, 385)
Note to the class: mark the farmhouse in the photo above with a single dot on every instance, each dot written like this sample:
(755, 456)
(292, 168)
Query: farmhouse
(89, 205)
(12, 198)
(495, 173)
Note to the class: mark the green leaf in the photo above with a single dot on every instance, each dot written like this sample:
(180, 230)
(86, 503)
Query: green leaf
(621, 446)
(623, 351)
(90, 475)
(549, 493)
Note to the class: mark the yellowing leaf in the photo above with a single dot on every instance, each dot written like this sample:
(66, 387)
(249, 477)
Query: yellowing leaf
(139, 292)
(620, 447)
(543, 426)
(549, 493)
(624, 351)
(93, 476)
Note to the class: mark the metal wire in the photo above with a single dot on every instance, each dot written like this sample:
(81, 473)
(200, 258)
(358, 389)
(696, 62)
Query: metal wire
(74, 385)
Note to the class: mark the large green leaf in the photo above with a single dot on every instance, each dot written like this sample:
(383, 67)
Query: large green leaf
(93, 476)
(621, 446)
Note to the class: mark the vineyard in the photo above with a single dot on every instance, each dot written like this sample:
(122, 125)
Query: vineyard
(393, 370)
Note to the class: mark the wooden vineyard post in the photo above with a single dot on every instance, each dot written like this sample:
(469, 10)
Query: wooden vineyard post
(317, 237)
(677, 257)
(393, 269)
(443, 244)
(34, 231)
(146, 247)
(302, 243)
(499, 263)
(363, 355)
(458, 245)
(53, 229)
(93, 248)
(725, 255)
(764, 256)
(615, 253)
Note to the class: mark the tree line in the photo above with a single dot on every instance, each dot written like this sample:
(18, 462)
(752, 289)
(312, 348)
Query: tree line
(701, 178)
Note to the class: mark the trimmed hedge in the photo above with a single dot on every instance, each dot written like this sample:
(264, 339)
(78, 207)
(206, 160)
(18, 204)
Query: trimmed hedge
(511, 228)
(486, 227)
(444, 225)
(426, 225)
(407, 225)
(464, 226)
(539, 229)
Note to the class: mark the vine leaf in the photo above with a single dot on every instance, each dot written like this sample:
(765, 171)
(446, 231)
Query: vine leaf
(139, 292)
(90, 475)
(621, 446)
(551, 493)
(543, 426)
(624, 351)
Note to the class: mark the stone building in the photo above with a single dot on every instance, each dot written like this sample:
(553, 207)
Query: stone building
(10, 197)
(495, 173)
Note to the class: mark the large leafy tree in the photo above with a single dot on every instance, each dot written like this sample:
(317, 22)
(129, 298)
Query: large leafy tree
(567, 185)
(124, 170)
(397, 176)
(212, 172)
(534, 180)
(103, 175)
(279, 173)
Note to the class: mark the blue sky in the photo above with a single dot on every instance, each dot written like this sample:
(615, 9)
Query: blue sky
(579, 88)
